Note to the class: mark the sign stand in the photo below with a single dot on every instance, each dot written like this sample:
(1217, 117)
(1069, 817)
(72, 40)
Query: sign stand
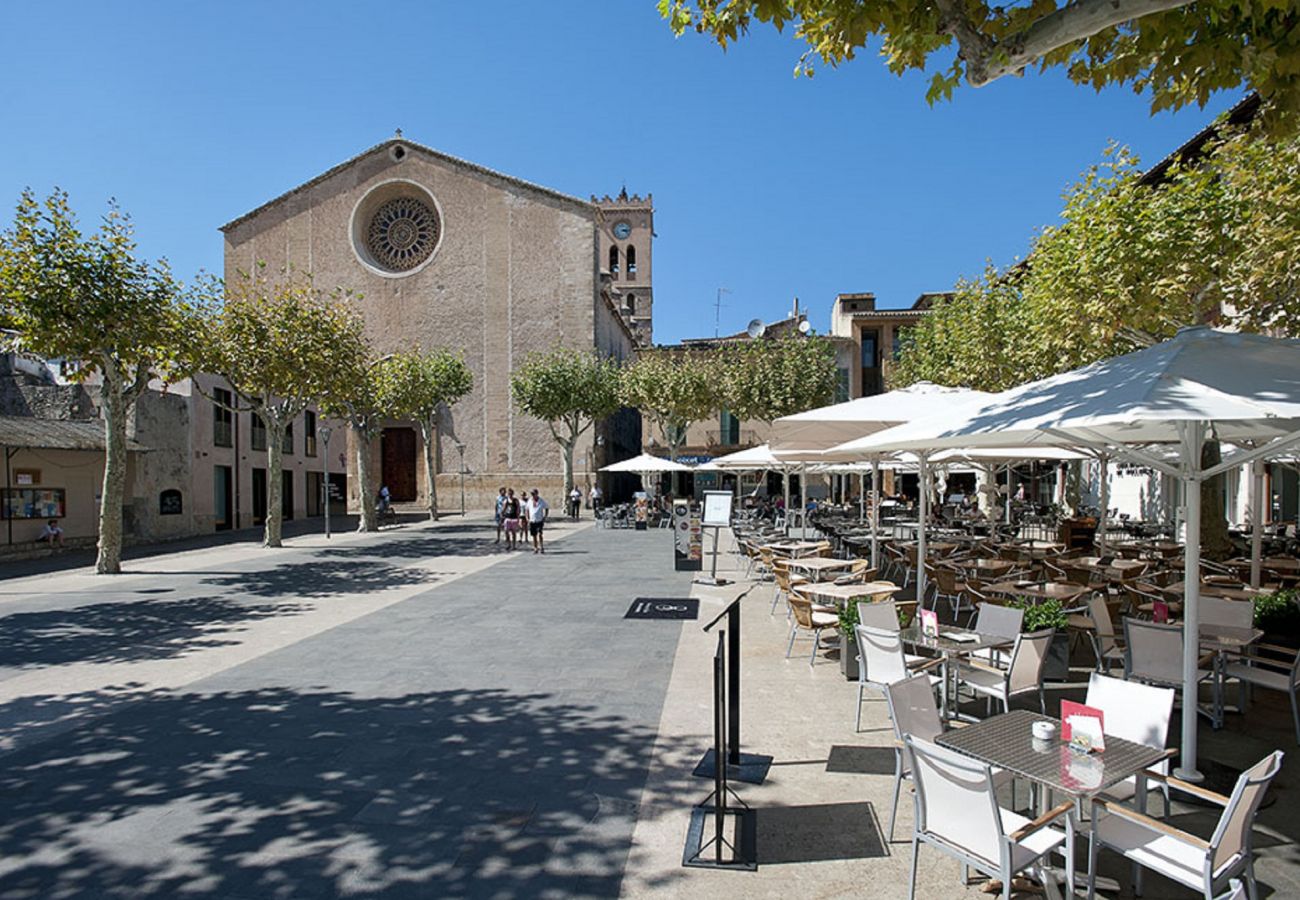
(751, 768)
(735, 848)
(717, 515)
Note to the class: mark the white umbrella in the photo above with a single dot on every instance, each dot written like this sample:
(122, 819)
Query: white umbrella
(645, 464)
(810, 434)
(1241, 389)
(752, 460)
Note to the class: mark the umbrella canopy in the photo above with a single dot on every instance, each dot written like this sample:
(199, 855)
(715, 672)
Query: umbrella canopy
(819, 429)
(1203, 384)
(751, 460)
(646, 464)
(1248, 385)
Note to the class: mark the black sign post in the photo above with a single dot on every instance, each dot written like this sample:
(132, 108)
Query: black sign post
(742, 854)
(751, 768)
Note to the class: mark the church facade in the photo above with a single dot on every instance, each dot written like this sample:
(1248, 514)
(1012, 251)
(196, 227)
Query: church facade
(445, 253)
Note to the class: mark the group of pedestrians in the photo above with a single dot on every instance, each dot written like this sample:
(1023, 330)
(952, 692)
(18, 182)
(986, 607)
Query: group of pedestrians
(524, 514)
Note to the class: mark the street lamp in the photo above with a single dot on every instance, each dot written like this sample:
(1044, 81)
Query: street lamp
(325, 432)
(460, 448)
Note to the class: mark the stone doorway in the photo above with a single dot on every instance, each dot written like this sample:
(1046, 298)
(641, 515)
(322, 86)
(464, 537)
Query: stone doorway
(397, 470)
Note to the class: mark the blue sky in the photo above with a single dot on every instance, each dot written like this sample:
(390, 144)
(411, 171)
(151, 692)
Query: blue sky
(191, 114)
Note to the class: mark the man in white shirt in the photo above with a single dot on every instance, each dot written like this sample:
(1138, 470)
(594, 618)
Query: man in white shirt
(537, 510)
(575, 502)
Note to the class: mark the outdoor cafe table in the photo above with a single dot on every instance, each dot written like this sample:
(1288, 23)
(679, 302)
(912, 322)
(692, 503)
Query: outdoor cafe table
(948, 647)
(1039, 590)
(794, 549)
(1006, 742)
(816, 567)
(1286, 568)
(841, 594)
(938, 548)
(1210, 589)
(1115, 570)
(992, 567)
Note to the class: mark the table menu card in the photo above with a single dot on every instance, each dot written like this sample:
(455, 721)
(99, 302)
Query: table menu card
(1083, 726)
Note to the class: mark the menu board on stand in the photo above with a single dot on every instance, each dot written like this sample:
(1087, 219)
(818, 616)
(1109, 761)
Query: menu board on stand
(688, 538)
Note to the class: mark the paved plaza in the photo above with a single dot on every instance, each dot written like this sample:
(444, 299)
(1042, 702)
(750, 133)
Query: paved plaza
(420, 714)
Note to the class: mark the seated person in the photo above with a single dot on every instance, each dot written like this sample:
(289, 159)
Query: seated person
(52, 534)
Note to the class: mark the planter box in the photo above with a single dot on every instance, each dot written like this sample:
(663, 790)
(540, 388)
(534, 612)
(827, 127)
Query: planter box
(849, 658)
(1057, 666)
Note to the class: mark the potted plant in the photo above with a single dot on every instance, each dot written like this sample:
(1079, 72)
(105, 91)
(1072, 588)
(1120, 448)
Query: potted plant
(1040, 614)
(849, 641)
(1278, 616)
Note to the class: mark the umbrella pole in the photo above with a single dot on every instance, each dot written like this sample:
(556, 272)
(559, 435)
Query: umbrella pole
(923, 516)
(875, 513)
(1010, 471)
(862, 495)
(785, 475)
(1103, 493)
(1193, 437)
(1257, 519)
(803, 502)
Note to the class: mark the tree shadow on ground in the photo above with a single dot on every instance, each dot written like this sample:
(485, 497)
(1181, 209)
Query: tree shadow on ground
(127, 630)
(424, 546)
(322, 578)
(277, 793)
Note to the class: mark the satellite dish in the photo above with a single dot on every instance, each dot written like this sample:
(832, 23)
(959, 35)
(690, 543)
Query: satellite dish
(805, 326)
(755, 328)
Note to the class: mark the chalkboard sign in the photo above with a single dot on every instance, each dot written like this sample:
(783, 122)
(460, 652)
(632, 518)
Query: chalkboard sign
(717, 508)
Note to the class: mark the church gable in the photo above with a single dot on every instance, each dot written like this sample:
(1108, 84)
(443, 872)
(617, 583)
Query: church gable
(390, 154)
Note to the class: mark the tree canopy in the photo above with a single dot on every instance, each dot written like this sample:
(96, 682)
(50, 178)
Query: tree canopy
(568, 390)
(1176, 51)
(416, 384)
(672, 390)
(1133, 259)
(767, 379)
(281, 345)
(88, 299)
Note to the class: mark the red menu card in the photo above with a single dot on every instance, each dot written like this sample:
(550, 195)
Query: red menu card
(1082, 725)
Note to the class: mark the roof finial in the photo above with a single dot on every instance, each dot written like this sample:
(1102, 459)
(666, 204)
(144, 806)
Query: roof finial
(622, 195)
(399, 133)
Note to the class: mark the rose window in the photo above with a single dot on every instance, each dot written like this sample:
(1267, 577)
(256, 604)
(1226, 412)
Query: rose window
(402, 234)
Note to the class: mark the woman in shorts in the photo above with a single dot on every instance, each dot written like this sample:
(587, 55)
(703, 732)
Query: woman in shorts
(510, 511)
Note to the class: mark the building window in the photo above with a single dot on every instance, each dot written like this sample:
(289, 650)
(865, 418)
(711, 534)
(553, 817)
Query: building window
(613, 261)
(631, 304)
(170, 503)
(869, 341)
(729, 429)
(841, 384)
(288, 439)
(631, 263)
(309, 433)
(222, 417)
(256, 432)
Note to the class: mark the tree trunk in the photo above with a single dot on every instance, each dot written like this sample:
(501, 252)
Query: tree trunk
(1215, 544)
(429, 431)
(114, 409)
(365, 487)
(567, 447)
(274, 482)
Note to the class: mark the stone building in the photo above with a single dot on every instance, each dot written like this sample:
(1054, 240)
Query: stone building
(444, 252)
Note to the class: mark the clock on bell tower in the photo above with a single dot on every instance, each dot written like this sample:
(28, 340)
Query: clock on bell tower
(626, 255)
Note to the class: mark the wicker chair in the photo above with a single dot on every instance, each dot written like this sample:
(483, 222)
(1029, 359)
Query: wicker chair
(804, 616)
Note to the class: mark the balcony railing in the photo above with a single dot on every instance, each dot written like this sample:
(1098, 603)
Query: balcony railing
(744, 438)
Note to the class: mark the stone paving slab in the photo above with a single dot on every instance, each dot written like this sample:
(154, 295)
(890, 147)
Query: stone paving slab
(485, 737)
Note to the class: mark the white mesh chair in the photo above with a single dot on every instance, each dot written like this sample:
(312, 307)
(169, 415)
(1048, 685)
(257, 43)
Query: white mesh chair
(1222, 611)
(880, 613)
(1153, 654)
(1272, 667)
(1135, 712)
(881, 662)
(1024, 672)
(912, 711)
(957, 812)
(1204, 866)
(1002, 621)
(1101, 632)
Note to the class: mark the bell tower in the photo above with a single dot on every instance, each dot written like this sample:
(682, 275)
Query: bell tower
(626, 255)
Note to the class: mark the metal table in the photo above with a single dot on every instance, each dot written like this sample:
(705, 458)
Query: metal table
(1006, 742)
(841, 594)
(817, 566)
(1039, 590)
(948, 648)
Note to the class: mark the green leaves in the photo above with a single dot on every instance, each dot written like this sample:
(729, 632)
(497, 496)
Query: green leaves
(1130, 263)
(673, 389)
(1177, 56)
(566, 388)
(766, 379)
(415, 383)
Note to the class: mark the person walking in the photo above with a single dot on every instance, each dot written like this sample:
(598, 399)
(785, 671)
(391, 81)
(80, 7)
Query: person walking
(596, 497)
(537, 510)
(501, 500)
(575, 502)
(510, 513)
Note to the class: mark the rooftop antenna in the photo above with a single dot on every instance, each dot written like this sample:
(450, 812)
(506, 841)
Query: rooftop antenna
(717, 310)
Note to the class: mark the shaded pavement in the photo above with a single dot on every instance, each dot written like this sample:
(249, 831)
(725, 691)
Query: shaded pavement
(485, 737)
